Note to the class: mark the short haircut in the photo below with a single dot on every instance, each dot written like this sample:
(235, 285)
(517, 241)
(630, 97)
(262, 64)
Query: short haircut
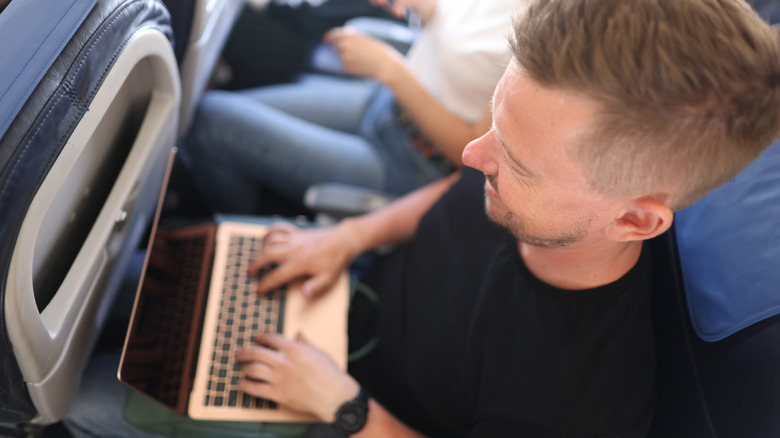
(689, 90)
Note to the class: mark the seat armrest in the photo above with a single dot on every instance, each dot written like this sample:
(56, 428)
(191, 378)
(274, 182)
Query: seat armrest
(337, 200)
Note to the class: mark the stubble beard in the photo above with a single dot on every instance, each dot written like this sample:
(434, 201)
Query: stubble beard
(517, 228)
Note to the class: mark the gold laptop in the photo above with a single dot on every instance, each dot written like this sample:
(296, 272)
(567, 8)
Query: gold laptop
(196, 304)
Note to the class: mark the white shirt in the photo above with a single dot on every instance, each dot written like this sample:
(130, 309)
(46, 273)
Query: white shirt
(462, 52)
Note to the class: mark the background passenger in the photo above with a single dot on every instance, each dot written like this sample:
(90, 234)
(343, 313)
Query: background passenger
(403, 125)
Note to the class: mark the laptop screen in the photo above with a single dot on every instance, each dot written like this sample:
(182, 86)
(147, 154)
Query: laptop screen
(161, 342)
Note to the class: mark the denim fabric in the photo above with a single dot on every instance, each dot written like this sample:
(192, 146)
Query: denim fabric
(285, 138)
(405, 167)
(335, 102)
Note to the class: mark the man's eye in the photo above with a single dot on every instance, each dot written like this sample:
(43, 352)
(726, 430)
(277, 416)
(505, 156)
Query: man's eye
(513, 167)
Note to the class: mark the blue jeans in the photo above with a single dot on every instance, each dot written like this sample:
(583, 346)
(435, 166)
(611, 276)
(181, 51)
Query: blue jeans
(284, 138)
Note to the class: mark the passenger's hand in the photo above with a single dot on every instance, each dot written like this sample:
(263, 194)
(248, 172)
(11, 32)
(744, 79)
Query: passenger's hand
(296, 375)
(316, 255)
(424, 8)
(363, 55)
(395, 8)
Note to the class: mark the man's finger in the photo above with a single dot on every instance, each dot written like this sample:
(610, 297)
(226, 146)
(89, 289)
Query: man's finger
(263, 390)
(274, 341)
(264, 259)
(316, 285)
(258, 371)
(258, 353)
(282, 227)
(272, 239)
(282, 274)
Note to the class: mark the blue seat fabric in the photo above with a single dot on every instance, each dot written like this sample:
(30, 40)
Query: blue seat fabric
(729, 245)
(724, 389)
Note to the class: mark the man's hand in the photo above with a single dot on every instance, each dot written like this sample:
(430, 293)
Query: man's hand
(363, 55)
(296, 375)
(317, 255)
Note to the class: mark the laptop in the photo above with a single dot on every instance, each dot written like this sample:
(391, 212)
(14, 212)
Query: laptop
(196, 304)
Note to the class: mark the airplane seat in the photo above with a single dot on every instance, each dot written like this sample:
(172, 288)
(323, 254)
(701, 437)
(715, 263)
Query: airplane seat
(89, 101)
(680, 410)
(717, 311)
(182, 13)
(201, 29)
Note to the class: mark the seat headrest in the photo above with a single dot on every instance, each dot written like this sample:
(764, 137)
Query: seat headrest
(729, 247)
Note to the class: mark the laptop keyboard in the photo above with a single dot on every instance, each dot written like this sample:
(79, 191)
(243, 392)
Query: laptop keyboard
(243, 313)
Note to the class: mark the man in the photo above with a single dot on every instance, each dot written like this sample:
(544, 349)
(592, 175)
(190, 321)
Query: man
(612, 115)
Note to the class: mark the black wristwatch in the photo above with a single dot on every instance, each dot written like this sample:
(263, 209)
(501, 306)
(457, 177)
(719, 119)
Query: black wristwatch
(352, 415)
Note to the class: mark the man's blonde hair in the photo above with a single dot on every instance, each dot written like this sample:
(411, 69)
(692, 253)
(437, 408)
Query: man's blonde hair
(689, 89)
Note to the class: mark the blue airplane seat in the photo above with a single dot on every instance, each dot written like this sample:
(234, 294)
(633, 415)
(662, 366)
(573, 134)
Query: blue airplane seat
(717, 311)
(89, 99)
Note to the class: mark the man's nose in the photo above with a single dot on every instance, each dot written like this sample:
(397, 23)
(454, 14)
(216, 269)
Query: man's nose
(477, 154)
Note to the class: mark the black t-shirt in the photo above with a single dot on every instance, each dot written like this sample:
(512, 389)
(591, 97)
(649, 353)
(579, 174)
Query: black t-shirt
(472, 344)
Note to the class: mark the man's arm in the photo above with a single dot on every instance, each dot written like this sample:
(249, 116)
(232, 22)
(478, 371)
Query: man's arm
(303, 378)
(319, 255)
(397, 222)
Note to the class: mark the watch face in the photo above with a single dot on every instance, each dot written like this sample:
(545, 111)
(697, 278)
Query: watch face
(351, 417)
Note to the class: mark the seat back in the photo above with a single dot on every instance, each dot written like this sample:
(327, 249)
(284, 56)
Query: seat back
(202, 28)
(681, 410)
(718, 314)
(83, 150)
(22, 66)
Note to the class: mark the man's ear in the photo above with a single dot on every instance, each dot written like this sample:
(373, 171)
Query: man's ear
(644, 219)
